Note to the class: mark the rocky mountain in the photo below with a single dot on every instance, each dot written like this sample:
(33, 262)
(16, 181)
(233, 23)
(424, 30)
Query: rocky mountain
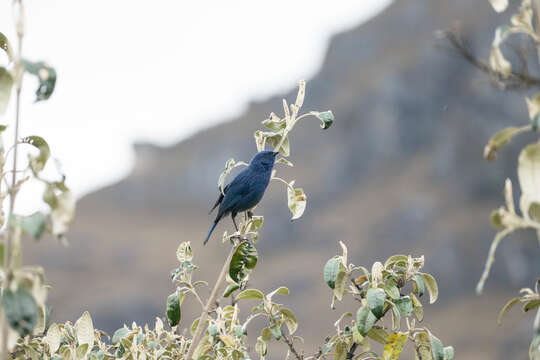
(400, 171)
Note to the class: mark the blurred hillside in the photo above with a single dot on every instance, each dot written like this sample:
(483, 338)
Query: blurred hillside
(401, 171)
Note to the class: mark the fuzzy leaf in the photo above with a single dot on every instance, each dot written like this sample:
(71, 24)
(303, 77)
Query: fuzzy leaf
(331, 270)
(432, 287)
(365, 320)
(243, 261)
(375, 299)
(174, 313)
(21, 310)
(296, 201)
(394, 345)
(250, 294)
(326, 117)
(84, 330)
(505, 308)
(6, 85)
(46, 76)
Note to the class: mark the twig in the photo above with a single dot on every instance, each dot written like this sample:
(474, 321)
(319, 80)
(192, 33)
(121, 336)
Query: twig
(291, 346)
(491, 258)
(206, 310)
(13, 190)
(514, 80)
(350, 354)
(536, 17)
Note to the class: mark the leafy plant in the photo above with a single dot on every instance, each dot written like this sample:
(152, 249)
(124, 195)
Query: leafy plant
(24, 292)
(506, 219)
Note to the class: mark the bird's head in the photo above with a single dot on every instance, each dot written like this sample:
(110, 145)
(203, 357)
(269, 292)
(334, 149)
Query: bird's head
(264, 160)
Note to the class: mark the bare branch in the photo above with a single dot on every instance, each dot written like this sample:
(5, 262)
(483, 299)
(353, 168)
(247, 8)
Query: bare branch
(516, 80)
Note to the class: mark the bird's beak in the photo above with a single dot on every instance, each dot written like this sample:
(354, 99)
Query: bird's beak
(275, 153)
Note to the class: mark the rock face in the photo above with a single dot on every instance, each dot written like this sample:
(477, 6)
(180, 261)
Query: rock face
(401, 171)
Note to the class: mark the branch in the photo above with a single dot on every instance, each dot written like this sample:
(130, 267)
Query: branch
(515, 80)
(350, 354)
(8, 255)
(206, 310)
(291, 346)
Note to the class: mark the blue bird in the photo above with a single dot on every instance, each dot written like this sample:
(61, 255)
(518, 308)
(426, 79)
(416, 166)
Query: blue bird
(246, 189)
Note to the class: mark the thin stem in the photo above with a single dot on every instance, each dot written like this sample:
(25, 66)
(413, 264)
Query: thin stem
(515, 80)
(194, 292)
(206, 309)
(491, 258)
(350, 353)
(536, 12)
(8, 254)
(283, 181)
(291, 346)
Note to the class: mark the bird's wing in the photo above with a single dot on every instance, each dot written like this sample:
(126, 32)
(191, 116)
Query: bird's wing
(237, 189)
(220, 198)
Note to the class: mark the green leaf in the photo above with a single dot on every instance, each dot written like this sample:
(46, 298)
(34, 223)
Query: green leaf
(396, 316)
(530, 305)
(448, 353)
(261, 348)
(81, 351)
(394, 345)
(6, 84)
(290, 320)
(184, 252)
(296, 201)
(194, 326)
(53, 338)
(405, 305)
(266, 334)
(496, 219)
(378, 334)
(174, 313)
(365, 320)
(418, 310)
(498, 141)
(505, 308)
(331, 270)
(274, 123)
(396, 259)
(326, 117)
(375, 299)
(341, 282)
(529, 175)
(282, 290)
(37, 163)
(230, 289)
(392, 291)
(250, 294)
(437, 350)
(276, 331)
(243, 261)
(6, 46)
(21, 310)
(535, 122)
(46, 76)
(418, 285)
(84, 330)
(120, 334)
(34, 225)
(534, 349)
(432, 287)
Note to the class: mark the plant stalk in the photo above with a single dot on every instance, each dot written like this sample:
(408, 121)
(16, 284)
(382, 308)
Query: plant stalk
(536, 18)
(206, 310)
(8, 253)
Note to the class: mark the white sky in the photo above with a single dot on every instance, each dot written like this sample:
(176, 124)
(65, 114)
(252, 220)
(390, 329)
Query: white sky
(159, 71)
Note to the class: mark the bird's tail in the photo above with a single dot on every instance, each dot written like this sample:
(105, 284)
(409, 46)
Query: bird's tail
(210, 232)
